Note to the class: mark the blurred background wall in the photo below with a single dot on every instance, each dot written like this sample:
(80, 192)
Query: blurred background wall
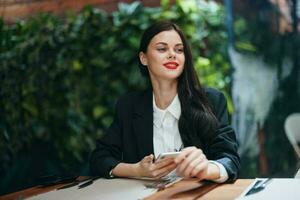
(11, 10)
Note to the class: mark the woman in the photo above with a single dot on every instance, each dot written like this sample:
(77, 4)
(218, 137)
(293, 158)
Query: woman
(176, 112)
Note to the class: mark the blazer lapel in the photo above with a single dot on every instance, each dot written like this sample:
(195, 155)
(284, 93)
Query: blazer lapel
(143, 124)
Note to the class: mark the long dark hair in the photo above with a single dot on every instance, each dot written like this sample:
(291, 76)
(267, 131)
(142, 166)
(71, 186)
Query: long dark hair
(197, 123)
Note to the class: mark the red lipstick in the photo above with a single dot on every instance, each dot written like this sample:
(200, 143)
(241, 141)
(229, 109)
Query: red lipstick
(171, 65)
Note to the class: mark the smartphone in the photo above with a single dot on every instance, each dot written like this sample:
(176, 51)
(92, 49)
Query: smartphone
(168, 155)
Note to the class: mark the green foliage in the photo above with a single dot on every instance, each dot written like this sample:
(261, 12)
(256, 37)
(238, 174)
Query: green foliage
(61, 76)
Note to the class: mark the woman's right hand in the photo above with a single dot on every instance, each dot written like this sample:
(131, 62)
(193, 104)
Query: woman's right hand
(158, 169)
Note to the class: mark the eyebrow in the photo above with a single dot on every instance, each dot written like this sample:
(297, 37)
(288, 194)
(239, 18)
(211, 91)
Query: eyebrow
(163, 43)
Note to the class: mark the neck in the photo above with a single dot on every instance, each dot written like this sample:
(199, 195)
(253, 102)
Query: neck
(164, 92)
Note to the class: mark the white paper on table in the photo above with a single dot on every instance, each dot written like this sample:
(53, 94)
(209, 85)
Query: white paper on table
(108, 189)
(276, 189)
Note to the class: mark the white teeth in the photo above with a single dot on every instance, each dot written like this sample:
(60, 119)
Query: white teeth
(172, 65)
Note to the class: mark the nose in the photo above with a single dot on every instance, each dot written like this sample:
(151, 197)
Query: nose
(171, 55)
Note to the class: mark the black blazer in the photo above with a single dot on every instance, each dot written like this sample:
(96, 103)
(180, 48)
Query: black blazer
(130, 137)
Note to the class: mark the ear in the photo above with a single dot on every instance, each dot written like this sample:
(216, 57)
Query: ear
(143, 58)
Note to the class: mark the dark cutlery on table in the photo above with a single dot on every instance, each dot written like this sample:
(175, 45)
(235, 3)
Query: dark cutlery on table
(258, 186)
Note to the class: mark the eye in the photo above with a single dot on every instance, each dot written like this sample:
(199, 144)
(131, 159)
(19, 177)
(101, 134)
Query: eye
(161, 49)
(179, 50)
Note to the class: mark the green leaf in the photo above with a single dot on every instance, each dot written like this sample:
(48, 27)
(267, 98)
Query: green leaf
(30, 108)
(77, 66)
(187, 6)
(165, 4)
(245, 46)
(98, 111)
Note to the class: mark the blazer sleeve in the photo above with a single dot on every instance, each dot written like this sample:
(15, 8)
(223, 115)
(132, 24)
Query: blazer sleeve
(223, 147)
(108, 152)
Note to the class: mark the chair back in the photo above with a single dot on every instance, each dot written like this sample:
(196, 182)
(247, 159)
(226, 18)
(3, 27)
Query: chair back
(298, 174)
(292, 130)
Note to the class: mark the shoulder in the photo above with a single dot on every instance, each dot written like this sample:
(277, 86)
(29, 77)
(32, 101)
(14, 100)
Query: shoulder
(214, 95)
(135, 101)
(216, 99)
(133, 97)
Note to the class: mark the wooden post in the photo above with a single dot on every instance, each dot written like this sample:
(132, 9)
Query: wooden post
(263, 161)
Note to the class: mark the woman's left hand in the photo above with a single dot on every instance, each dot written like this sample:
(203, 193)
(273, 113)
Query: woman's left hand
(192, 163)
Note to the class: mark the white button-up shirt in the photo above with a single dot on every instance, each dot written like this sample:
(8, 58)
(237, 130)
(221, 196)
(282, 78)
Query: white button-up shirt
(166, 136)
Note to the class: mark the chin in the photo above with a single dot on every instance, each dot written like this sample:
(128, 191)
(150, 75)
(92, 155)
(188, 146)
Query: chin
(172, 75)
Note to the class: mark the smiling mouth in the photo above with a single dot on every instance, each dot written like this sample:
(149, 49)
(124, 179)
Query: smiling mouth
(171, 65)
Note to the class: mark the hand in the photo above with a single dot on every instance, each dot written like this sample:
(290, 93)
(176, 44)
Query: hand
(147, 168)
(192, 163)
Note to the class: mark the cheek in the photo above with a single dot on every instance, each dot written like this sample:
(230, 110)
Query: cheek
(182, 59)
(156, 58)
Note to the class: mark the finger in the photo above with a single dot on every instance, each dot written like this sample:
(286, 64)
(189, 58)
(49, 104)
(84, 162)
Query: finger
(190, 167)
(147, 162)
(201, 174)
(196, 153)
(164, 160)
(151, 157)
(148, 158)
(164, 174)
(168, 168)
(199, 169)
(164, 171)
(163, 163)
(184, 153)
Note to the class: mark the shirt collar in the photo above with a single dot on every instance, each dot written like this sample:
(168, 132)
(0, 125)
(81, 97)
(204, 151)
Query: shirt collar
(174, 108)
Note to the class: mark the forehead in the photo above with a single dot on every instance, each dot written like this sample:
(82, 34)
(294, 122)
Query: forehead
(169, 37)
